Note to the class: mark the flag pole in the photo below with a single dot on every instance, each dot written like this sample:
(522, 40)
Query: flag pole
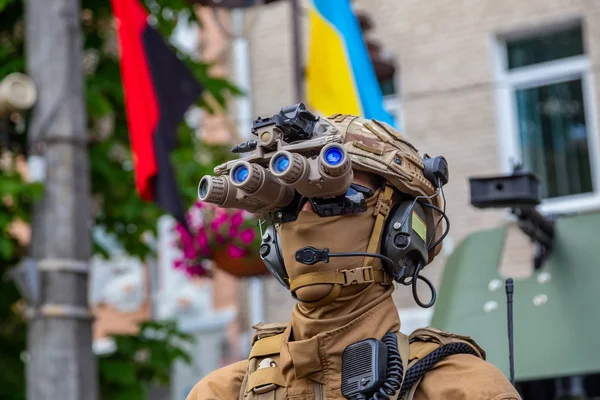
(297, 51)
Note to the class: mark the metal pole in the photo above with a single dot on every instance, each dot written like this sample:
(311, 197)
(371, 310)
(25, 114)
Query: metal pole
(297, 49)
(243, 78)
(61, 364)
(509, 287)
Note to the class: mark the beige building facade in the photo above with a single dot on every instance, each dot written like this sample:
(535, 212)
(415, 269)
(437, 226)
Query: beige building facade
(481, 82)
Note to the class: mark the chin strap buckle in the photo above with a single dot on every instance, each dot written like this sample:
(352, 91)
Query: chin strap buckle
(361, 275)
(346, 277)
(357, 276)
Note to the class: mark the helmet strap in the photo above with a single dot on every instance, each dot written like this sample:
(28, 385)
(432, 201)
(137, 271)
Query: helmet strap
(381, 212)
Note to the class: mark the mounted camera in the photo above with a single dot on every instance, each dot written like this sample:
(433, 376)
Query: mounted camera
(521, 192)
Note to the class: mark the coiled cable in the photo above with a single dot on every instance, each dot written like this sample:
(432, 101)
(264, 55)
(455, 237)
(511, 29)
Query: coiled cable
(395, 369)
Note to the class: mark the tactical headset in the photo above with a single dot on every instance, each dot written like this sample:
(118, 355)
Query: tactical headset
(404, 248)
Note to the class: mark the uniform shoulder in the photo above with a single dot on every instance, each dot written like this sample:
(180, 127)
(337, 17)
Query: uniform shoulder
(223, 383)
(464, 376)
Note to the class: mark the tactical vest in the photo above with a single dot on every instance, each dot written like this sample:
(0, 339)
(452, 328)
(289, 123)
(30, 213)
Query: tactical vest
(424, 348)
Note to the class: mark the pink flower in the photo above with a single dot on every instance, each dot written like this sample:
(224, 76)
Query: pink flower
(235, 252)
(237, 219)
(187, 243)
(218, 222)
(202, 242)
(199, 205)
(233, 231)
(190, 252)
(202, 238)
(195, 270)
(247, 236)
(186, 236)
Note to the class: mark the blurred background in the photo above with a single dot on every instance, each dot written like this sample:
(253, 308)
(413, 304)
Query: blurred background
(486, 84)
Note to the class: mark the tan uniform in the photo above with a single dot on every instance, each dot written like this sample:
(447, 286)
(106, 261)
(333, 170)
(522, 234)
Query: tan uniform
(348, 299)
(311, 368)
(457, 377)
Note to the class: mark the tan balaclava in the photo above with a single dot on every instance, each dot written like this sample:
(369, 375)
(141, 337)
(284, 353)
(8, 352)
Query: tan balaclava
(346, 233)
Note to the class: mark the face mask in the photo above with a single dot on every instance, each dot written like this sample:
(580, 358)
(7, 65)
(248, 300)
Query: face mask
(346, 233)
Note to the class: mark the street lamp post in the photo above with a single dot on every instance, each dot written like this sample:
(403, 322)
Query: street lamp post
(61, 364)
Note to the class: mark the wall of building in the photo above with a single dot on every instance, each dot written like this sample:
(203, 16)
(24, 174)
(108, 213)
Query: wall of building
(446, 52)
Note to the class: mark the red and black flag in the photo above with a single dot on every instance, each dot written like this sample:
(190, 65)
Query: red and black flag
(158, 89)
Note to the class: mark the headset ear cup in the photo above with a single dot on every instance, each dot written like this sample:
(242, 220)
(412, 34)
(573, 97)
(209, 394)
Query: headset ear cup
(405, 237)
(270, 253)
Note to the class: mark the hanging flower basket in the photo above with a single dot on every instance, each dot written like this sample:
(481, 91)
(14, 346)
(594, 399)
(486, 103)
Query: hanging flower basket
(251, 265)
(228, 238)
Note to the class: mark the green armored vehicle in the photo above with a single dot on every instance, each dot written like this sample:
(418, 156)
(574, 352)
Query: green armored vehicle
(556, 317)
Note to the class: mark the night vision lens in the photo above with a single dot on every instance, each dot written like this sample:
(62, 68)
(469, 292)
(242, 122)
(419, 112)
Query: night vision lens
(281, 163)
(333, 156)
(240, 174)
(203, 189)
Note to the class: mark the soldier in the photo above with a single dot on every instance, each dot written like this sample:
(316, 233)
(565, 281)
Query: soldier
(354, 208)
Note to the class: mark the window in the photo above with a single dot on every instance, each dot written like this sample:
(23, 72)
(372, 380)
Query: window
(545, 47)
(391, 99)
(547, 115)
(553, 137)
(392, 105)
(388, 86)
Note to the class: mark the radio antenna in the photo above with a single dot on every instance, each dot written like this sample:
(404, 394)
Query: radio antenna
(509, 309)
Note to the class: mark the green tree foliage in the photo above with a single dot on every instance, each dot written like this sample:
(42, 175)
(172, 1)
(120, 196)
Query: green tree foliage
(142, 361)
(16, 198)
(118, 209)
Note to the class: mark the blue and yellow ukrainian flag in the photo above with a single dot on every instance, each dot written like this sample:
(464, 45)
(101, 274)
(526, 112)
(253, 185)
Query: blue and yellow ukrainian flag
(340, 75)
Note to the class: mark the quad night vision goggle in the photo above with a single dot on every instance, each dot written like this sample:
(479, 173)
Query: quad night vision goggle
(297, 157)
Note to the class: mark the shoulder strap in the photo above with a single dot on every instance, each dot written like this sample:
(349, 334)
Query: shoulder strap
(264, 378)
(266, 330)
(428, 346)
(442, 338)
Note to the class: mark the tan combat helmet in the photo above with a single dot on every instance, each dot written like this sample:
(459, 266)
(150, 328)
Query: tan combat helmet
(289, 155)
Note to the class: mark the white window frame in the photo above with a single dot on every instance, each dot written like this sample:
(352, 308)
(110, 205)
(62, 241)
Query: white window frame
(508, 81)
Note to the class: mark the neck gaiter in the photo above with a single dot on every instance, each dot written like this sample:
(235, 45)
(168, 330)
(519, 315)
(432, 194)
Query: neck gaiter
(347, 233)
